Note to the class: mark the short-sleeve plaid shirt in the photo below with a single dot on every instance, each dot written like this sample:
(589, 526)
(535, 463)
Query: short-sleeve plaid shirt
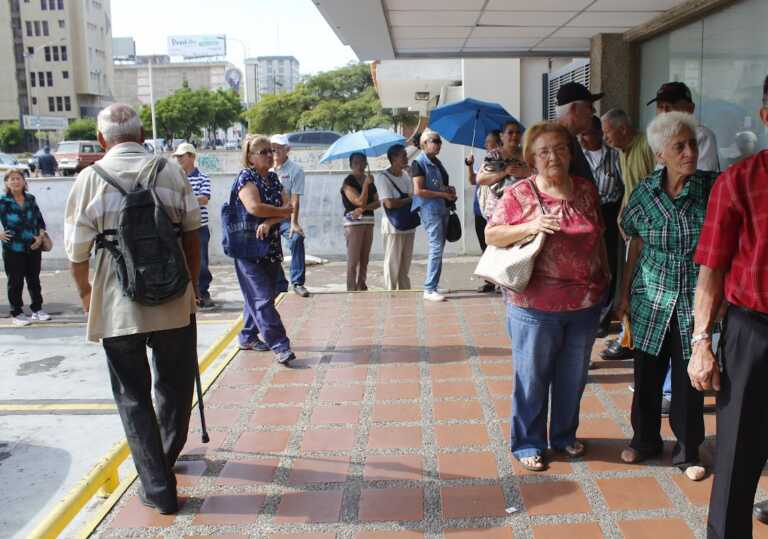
(664, 281)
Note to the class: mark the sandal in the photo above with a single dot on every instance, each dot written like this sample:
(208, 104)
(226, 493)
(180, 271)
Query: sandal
(632, 456)
(533, 464)
(696, 472)
(575, 450)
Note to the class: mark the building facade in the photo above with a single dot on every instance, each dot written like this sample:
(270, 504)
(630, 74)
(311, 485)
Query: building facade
(132, 79)
(57, 58)
(270, 75)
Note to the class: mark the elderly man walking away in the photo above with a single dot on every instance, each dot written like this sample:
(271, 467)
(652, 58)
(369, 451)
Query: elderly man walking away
(636, 162)
(733, 255)
(575, 109)
(291, 175)
(46, 163)
(126, 326)
(185, 155)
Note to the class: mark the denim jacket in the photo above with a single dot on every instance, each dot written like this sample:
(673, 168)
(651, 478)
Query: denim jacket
(433, 181)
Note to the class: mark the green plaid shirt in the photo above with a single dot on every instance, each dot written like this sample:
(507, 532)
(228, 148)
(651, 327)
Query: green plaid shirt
(665, 276)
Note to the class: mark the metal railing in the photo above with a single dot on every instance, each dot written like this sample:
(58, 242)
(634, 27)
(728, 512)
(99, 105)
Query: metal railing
(103, 479)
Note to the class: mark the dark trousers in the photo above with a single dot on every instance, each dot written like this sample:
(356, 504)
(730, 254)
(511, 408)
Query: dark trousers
(20, 267)
(205, 273)
(156, 434)
(298, 256)
(258, 283)
(615, 247)
(742, 424)
(686, 415)
(480, 223)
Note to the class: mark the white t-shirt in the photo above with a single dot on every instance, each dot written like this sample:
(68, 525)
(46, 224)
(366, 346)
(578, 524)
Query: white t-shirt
(386, 190)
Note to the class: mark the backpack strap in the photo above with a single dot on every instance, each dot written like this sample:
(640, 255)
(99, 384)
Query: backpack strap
(104, 175)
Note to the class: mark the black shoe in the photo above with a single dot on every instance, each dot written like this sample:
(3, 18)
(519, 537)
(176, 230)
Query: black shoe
(206, 304)
(168, 508)
(486, 287)
(300, 290)
(666, 406)
(760, 511)
(616, 351)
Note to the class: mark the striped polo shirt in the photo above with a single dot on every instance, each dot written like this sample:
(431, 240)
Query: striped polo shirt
(201, 186)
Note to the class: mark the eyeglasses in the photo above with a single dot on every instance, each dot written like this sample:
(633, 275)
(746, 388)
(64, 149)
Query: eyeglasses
(546, 153)
(265, 151)
(435, 141)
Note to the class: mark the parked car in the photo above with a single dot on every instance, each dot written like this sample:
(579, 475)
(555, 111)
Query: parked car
(232, 145)
(312, 138)
(8, 162)
(75, 155)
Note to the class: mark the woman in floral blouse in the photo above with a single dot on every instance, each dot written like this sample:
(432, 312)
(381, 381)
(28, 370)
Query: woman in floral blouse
(22, 236)
(260, 193)
(552, 323)
(663, 220)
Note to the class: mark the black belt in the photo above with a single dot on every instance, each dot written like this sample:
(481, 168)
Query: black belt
(757, 315)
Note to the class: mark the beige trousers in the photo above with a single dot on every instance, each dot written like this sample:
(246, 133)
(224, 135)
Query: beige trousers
(398, 252)
(359, 240)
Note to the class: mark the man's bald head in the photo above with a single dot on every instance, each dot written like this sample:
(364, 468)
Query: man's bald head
(119, 123)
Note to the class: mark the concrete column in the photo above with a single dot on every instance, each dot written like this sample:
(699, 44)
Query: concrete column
(614, 65)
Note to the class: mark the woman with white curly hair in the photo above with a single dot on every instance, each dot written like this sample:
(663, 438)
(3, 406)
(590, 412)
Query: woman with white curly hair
(663, 220)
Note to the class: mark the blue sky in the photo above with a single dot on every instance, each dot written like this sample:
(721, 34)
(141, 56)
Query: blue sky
(266, 27)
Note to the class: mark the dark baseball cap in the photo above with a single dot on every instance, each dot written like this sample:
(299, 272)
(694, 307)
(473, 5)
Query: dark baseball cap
(671, 92)
(573, 91)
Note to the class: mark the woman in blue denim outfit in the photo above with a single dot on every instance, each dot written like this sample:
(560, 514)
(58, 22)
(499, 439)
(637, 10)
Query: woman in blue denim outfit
(260, 192)
(431, 196)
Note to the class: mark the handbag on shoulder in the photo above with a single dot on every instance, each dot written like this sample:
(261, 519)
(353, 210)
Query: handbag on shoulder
(238, 231)
(512, 267)
(402, 218)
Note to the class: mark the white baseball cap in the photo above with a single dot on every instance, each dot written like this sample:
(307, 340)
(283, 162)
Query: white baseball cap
(280, 140)
(184, 148)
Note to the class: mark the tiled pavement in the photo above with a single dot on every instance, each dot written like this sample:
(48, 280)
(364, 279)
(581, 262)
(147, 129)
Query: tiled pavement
(393, 423)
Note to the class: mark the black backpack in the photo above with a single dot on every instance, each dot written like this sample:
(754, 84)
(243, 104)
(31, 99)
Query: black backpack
(146, 254)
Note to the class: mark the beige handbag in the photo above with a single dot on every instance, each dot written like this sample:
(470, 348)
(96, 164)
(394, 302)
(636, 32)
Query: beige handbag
(511, 267)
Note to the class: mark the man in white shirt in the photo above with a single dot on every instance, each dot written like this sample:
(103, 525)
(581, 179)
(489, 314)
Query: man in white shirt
(395, 190)
(291, 175)
(676, 96)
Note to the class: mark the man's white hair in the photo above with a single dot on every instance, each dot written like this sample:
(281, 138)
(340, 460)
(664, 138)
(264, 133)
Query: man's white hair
(666, 126)
(119, 122)
(616, 118)
(426, 135)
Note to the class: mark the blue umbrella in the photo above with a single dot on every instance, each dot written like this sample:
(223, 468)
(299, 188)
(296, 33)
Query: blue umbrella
(371, 142)
(469, 121)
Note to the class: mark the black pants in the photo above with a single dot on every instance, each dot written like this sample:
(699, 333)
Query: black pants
(686, 415)
(155, 435)
(20, 267)
(742, 424)
(480, 223)
(612, 241)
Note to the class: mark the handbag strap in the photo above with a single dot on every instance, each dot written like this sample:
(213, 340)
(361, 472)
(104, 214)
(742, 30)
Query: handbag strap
(535, 190)
(389, 177)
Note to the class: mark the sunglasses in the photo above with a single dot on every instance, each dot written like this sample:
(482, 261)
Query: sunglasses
(265, 151)
(435, 141)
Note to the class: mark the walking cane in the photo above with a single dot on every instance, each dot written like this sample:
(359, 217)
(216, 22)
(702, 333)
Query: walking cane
(200, 406)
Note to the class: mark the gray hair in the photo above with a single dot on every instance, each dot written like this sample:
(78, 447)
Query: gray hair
(617, 118)
(119, 122)
(666, 126)
(426, 134)
(562, 110)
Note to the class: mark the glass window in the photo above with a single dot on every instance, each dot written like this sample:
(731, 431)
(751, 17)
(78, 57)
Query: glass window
(47, 52)
(30, 50)
(34, 101)
(64, 53)
(65, 74)
(55, 54)
(51, 105)
(41, 78)
(28, 24)
(37, 28)
(43, 4)
(45, 28)
(59, 103)
(52, 4)
(67, 103)
(60, 3)
(62, 23)
(32, 80)
(49, 78)
(723, 59)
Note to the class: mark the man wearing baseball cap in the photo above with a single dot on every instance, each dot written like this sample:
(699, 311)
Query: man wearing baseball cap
(676, 96)
(185, 155)
(291, 175)
(575, 108)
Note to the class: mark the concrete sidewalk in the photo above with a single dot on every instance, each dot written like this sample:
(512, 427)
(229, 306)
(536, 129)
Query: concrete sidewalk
(394, 422)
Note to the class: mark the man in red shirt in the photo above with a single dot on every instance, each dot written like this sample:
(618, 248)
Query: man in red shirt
(733, 254)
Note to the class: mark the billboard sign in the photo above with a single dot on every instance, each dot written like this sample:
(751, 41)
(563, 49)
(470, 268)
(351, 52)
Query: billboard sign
(233, 78)
(45, 123)
(197, 46)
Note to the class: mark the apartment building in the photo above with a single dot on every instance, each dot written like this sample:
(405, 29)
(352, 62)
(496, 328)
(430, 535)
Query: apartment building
(270, 75)
(132, 78)
(57, 58)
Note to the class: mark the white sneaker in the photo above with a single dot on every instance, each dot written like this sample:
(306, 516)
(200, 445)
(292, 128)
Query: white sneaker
(21, 320)
(433, 296)
(40, 316)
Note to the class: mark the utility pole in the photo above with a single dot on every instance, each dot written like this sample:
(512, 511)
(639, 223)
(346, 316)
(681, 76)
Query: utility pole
(152, 108)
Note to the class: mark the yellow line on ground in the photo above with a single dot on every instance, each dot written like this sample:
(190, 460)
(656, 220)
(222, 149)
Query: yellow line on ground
(58, 407)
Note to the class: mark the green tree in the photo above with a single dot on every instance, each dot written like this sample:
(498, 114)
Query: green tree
(279, 113)
(10, 136)
(225, 109)
(83, 129)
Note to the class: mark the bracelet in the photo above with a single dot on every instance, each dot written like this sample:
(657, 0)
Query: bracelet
(700, 337)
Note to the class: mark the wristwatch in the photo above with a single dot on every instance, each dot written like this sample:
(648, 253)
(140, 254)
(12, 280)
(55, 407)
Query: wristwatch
(704, 336)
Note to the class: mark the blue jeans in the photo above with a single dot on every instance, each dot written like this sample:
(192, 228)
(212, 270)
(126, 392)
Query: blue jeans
(435, 223)
(205, 274)
(298, 266)
(551, 351)
(258, 281)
